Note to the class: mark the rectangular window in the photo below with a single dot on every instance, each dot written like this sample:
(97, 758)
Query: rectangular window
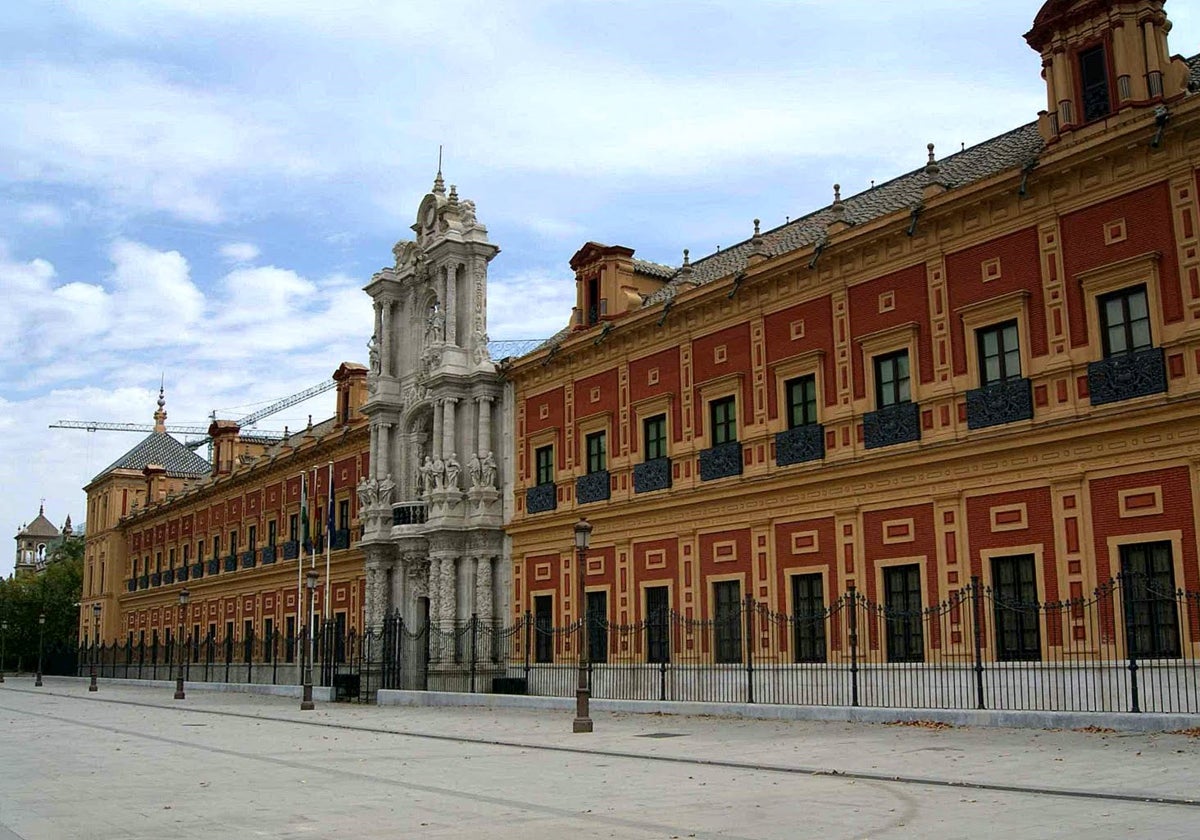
(597, 452)
(658, 624)
(543, 628)
(158, 561)
(808, 618)
(268, 646)
(654, 436)
(344, 514)
(271, 527)
(170, 558)
(186, 548)
(216, 546)
(902, 596)
(233, 542)
(723, 417)
(544, 461)
(1018, 614)
(802, 401)
(1148, 590)
(597, 626)
(1093, 81)
(1125, 321)
(891, 379)
(252, 538)
(999, 353)
(293, 527)
(727, 621)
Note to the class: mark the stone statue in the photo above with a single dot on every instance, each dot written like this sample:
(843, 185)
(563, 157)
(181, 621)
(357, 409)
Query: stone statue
(386, 488)
(438, 472)
(466, 211)
(405, 252)
(453, 468)
(487, 475)
(425, 476)
(475, 470)
(373, 351)
(435, 328)
(368, 494)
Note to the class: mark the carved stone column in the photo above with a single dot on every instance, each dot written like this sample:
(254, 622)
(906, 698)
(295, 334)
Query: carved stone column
(449, 605)
(435, 596)
(373, 451)
(387, 340)
(438, 417)
(452, 304)
(483, 589)
(485, 425)
(448, 426)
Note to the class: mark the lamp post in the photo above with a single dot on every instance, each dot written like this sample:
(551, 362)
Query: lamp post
(583, 720)
(41, 640)
(183, 599)
(310, 586)
(3, 638)
(95, 644)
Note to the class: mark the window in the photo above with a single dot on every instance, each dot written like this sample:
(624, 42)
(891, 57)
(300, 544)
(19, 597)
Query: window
(596, 451)
(247, 640)
(658, 627)
(654, 436)
(186, 548)
(344, 514)
(289, 641)
(171, 558)
(727, 621)
(999, 353)
(216, 546)
(252, 538)
(1125, 321)
(723, 415)
(597, 626)
(269, 639)
(293, 527)
(902, 595)
(544, 461)
(1148, 589)
(543, 628)
(808, 618)
(802, 401)
(891, 379)
(271, 527)
(233, 542)
(1093, 82)
(157, 561)
(593, 300)
(1015, 598)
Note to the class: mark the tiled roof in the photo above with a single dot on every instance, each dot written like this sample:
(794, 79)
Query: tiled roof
(160, 448)
(653, 269)
(40, 527)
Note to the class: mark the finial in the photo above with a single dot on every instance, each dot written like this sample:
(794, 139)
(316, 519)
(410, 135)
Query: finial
(439, 186)
(686, 263)
(160, 416)
(838, 208)
(756, 227)
(756, 242)
(42, 508)
(453, 194)
(932, 168)
(310, 421)
(685, 270)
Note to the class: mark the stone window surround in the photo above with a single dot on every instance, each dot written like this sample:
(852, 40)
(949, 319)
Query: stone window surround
(808, 363)
(534, 442)
(1013, 306)
(890, 340)
(728, 385)
(643, 410)
(1132, 271)
(599, 422)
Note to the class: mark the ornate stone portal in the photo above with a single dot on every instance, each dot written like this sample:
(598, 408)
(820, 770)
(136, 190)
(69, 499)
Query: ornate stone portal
(431, 506)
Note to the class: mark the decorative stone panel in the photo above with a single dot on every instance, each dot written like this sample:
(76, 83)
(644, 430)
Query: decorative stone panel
(800, 444)
(593, 487)
(892, 425)
(721, 461)
(1125, 377)
(541, 498)
(652, 475)
(999, 403)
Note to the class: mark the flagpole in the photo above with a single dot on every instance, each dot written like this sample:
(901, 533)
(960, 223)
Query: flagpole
(328, 543)
(300, 552)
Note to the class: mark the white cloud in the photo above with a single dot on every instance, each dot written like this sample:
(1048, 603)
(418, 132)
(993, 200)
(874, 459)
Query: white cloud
(41, 215)
(239, 252)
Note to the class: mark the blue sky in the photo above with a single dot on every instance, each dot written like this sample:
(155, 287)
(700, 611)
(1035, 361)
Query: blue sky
(200, 190)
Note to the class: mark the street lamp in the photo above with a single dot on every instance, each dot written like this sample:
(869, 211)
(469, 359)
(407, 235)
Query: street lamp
(3, 637)
(95, 644)
(583, 721)
(183, 599)
(310, 585)
(41, 640)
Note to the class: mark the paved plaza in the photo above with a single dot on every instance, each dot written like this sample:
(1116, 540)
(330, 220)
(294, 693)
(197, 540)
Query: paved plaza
(130, 762)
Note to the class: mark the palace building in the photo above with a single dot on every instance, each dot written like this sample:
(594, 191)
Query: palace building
(987, 368)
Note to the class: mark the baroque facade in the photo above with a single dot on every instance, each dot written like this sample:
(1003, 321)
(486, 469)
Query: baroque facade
(987, 368)
(435, 498)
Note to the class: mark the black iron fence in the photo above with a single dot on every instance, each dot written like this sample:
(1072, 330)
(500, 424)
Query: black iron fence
(1128, 646)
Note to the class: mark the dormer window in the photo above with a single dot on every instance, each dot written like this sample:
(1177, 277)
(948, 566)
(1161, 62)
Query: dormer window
(1093, 83)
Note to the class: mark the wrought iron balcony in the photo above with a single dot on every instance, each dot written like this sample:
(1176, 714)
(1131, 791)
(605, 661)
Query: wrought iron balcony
(268, 555)
(198, 571)
(1000, 403)
(248, 558)
(900, 423)
(541, 498)
(652, 475)
(409, 513)
(291, 550)
(230, 564)
(168, 576)
(214, 566)
(339, 540)
(800, 444)
(144, 582)
(721, 461)
(593, 487)
(1127, 376)
(132, 584)
(156, 579)
(182, 573)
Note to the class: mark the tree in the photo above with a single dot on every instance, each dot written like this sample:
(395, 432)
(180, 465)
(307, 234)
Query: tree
(55, 593)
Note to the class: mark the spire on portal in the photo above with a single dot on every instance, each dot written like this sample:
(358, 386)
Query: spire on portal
(160, 416)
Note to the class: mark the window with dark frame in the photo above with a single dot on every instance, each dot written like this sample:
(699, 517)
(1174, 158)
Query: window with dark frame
(1093, 83)
(727, 621)
(293, 527)
(597, 626)
(543, 458)
(543, 628)
(597, 452)
(343, 514)
(808, 618)
(654, 437)
(1148, 593)
(802, 401)
(1017, 611)
(271, 536)
(658, 627)
(1125, 321)
(892, 379)
(903, 614)
(723, 417)
(999, 353)
(252, 538)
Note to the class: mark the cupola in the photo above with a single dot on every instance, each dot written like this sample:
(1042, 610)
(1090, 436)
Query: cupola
(610, 282)
(1101, 58)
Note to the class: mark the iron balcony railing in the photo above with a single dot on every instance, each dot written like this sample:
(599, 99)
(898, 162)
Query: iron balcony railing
(800, 444)
(541, 498)
(652, 475)
(721, 461)
(593, 487)
(1127, 376)
(409, 513)
(999, 403)
(268, 555)
(900, 423)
